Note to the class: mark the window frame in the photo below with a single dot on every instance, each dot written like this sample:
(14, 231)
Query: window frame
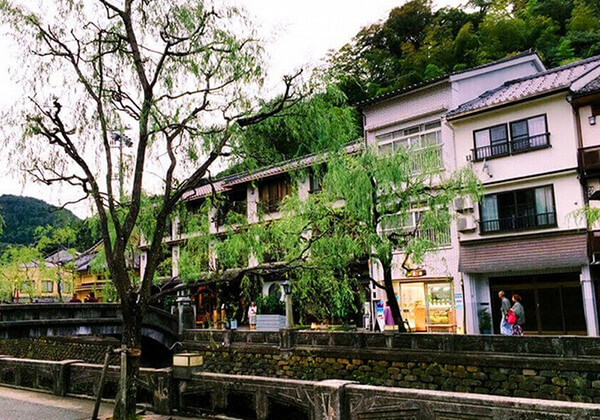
(546, 133)
(510, 140)
(481, 222)
(489, 130)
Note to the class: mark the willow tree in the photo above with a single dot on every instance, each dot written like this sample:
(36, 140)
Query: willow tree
(174, 80)
(324, 241)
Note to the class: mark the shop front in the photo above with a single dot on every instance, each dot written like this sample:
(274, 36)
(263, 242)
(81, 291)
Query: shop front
(427, 305)
(548, 271)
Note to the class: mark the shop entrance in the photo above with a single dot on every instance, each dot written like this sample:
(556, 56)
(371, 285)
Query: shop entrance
(553, 302)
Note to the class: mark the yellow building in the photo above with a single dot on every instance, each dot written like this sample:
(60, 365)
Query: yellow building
(47, 280)
(86, 280)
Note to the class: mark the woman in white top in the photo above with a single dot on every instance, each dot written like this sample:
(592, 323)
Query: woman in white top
(252, 315)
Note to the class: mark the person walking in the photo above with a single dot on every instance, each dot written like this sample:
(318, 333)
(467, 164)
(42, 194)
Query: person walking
(252, 310)
(519, 312)
(505, 327)
(388, 318)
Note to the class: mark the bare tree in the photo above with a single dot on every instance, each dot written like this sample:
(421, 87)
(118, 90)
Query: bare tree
(181, 73)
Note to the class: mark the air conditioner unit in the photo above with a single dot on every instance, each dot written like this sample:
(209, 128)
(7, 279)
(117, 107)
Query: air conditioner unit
(466, 224)
(463, 204)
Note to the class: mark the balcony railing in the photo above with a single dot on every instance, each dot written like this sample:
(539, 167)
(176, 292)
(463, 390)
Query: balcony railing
(517, 145)
(514, 222)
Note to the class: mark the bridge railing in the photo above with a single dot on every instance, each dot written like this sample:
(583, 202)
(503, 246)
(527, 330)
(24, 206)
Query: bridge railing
(557, 346)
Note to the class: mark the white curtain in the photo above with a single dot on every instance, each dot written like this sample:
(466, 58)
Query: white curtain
(544, 206)
(537, 129)
(489, 213)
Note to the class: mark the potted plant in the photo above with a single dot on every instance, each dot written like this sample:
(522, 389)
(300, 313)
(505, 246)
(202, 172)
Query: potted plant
(485, 321)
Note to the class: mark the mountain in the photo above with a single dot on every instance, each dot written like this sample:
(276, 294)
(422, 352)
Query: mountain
(22, 215)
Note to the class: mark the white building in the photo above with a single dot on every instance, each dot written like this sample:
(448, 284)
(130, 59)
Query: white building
(524, 236)
(415, 116)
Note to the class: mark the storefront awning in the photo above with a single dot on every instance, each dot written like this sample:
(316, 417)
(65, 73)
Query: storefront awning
(524, 253)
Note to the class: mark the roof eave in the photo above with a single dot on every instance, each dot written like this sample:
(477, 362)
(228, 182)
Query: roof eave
(505, 104)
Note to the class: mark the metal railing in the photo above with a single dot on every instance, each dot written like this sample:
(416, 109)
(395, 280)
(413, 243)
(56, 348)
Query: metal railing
(516, 145)
(515, 222)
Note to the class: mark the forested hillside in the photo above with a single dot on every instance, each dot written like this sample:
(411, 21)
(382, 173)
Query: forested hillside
(415, 43)
(22, 215)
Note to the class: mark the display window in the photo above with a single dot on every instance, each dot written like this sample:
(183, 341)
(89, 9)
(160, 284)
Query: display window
(427, 306)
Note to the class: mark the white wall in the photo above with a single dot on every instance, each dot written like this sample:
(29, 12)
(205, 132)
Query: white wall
(563, 139)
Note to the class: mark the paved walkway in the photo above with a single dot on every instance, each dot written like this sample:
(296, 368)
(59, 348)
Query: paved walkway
(18, 404)
(29, 405)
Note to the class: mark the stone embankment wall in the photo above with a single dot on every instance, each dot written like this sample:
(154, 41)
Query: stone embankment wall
(86, 349)
(556, 368)
(75, 378)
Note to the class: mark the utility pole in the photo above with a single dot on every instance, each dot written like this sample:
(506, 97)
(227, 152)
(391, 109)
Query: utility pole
(120, 140)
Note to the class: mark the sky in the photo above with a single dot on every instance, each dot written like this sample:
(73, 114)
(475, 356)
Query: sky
(297, 34)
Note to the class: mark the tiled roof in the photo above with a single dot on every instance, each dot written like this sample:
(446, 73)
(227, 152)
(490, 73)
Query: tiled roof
(225, 184)
(416, 86)
(591, 87)
(531, 86)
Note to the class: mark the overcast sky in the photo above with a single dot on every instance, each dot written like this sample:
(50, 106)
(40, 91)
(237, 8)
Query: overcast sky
(297, 34)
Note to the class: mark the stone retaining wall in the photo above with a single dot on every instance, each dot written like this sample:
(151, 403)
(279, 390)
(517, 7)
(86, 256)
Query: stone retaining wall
(75, 378)
(87, 349)
(274, 399)
(557, 368)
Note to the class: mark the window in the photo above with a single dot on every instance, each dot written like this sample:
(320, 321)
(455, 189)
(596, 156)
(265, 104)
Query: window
(233, 203)
(518, 210)
(527, 134)
(272, 194)
(491, 141)
(422, 137)
(47, 286)
(315, 179)
(27, 285)
(406, 223)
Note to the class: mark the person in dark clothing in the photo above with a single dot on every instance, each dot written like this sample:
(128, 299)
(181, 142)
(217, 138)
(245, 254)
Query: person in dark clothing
(505, 327)
(75, 299)
(91, 298)
(519, 312)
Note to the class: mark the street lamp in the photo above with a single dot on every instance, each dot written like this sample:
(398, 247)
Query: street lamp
(289, 314)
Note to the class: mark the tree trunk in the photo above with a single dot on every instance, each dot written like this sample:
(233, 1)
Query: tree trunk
(391, 297)
(125, 406)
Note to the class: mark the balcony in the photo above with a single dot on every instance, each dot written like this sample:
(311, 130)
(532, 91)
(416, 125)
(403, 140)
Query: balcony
(589, 161)
(516, 223)
(515, 146)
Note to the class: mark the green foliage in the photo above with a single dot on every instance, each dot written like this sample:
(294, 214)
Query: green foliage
(23, 215)
(416, 43)
(322, 121)
(270, 304)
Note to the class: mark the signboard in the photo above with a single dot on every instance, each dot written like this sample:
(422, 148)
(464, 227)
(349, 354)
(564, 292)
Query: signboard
(458, 300)
(379, 315)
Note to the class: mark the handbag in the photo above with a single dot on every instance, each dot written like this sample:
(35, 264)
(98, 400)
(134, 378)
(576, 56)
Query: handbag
(511, 318)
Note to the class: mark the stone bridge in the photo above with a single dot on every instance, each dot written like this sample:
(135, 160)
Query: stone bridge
(81, 319)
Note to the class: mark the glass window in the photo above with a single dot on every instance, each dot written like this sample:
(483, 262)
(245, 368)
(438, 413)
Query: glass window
(439, 296)
(491, 141)
(529, 134)
(517, 210)
(47, 286)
